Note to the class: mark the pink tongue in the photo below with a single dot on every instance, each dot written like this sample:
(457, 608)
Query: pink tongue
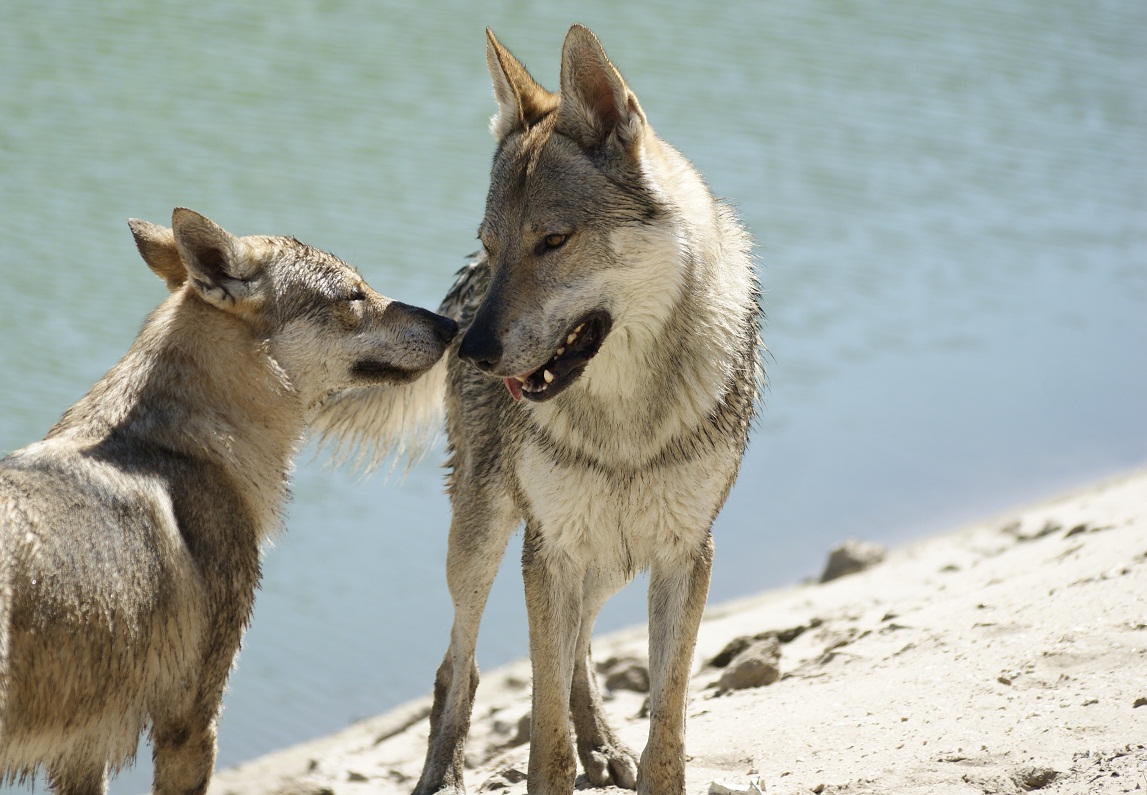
(515, 387)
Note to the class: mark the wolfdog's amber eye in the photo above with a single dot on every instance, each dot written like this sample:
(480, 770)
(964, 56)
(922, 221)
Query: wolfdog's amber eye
(556, 240)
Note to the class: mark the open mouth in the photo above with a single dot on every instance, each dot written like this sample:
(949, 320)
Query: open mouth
(580, 344)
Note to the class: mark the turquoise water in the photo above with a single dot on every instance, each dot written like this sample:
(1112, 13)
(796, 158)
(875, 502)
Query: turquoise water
(949, 199)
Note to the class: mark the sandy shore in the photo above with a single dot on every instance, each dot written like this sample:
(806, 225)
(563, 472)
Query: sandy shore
(1005, 657)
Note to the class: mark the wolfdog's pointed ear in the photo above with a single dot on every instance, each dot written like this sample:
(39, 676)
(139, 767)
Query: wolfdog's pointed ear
(521, 101)
(597, 108)
(156, 245)
(220, 266)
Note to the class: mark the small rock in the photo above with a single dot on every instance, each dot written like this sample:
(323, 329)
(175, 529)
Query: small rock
(1079, 528)
(731, 650)
(754, 786)
(503, 779)
(1139, 702)
(628, 674)
(1016, 531)
(742, 642)
(353, 776)
(516, 682)
(297, 787)
(1032, 778)
(397, 776)
(513, 775)
(851, 557)
(756, 666)
(513, 731)
(523, 734)
(792, 633)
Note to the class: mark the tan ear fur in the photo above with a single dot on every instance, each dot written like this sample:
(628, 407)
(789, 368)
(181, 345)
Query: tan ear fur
(156, 245)
(219, 265)
(597, 107)
(522, 103)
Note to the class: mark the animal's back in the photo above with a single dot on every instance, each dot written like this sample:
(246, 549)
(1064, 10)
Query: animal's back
(476, 404)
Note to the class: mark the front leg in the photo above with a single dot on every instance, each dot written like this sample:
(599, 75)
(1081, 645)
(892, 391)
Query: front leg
(677, 590)
(553, 603)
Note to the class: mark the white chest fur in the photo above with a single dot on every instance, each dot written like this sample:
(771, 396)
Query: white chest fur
(619, 525)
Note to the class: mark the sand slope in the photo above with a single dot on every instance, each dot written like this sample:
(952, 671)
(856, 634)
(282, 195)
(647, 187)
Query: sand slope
(1000, 658)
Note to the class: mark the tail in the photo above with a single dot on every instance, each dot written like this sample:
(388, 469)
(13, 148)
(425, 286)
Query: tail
(366, 426)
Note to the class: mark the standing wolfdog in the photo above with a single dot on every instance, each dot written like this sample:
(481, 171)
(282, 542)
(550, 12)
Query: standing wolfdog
(130, 536)
(602, 393)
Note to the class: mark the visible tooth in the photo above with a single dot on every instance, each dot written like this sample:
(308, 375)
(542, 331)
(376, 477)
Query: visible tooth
(560, 351)
(546, 374)
(520, 379)
(571, 338)
(579, 328)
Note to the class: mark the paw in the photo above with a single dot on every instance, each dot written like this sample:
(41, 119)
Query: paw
(610, 764)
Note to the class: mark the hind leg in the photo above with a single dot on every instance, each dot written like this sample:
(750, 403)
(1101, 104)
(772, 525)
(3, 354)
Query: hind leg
(184, 752)
(76, 777)
(604, 757)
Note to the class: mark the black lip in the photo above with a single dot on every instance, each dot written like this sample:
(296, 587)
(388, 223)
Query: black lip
(568, 367)
(379, 372)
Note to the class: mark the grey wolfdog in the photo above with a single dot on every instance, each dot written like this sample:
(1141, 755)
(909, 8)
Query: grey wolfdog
(130, 536)
(602, 393)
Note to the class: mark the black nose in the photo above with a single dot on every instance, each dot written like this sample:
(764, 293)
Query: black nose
(443, 327)
(481, 348)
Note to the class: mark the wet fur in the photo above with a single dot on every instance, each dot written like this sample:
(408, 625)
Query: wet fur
(627, 466)
(130, 536)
